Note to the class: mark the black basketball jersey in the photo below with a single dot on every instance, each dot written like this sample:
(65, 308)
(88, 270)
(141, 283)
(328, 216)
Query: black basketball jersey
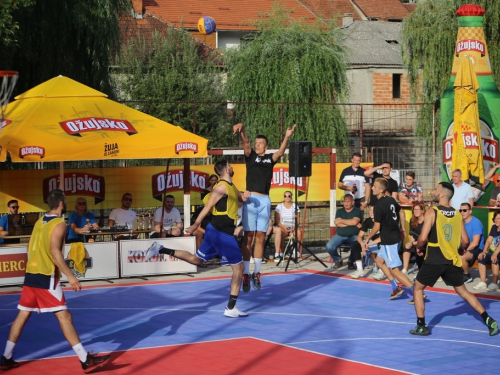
(386, 212)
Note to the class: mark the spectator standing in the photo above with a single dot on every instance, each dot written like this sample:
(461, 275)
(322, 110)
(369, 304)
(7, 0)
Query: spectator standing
(463, 191)
(353, 180)
(392, 185)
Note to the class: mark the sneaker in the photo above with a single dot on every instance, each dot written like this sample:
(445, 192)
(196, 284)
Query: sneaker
(94, 361)
(492, 287)
(350, 266)
(153, 250)
(379, 275)
(490, 322)
(256, 280)
(480, 286)
(468, 279)
(412, 302)
(246, 282)
(357, 274)
(234, 313)
(396, 293)
(421, 331)
(7, 364)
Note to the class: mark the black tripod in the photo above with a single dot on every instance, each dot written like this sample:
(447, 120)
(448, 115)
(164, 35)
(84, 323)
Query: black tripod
(292, 247)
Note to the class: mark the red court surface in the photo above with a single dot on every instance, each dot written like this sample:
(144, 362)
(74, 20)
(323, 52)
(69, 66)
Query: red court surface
(237, 356)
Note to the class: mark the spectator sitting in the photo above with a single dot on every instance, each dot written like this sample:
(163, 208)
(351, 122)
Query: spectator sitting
(410, 190)
(416, 224)
(347, 220)
(211, 181)
(475, 231)
(495, 193)
(284, 223)
(490, 256)
(357, 248)
(123, 216)
(13, 207)
(172, 222)
(79, 221)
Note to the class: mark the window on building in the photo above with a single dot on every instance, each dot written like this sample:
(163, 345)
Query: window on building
(396, 86)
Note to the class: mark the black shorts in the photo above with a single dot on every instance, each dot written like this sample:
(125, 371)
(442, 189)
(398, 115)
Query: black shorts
(429, 274)
(475, 253)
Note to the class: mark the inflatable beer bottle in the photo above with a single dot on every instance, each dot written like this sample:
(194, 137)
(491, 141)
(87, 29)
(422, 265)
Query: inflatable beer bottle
(471, 42)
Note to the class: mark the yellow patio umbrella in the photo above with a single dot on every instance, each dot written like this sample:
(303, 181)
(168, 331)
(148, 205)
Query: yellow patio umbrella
(64, 120)
(467, 146)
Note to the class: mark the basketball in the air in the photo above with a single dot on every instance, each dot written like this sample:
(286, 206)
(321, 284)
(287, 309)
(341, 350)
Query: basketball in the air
(206, 25)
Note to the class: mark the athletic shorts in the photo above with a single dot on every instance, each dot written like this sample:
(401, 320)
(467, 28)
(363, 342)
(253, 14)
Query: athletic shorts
(256, 213)
(42, 300)
(475, 253)
(390, 254)
(429, 274)
(217, 242)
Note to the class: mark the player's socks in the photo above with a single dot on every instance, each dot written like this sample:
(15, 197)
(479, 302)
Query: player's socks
(394, 284)
(258, 264)
(9, 349)
(232, 302)
(484, 315)
(80, 352)
(359, 265)
(421, 321)
(167, 251)
(246, 267)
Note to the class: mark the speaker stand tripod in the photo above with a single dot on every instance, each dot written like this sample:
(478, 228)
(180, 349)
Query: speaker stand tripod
(292, 247)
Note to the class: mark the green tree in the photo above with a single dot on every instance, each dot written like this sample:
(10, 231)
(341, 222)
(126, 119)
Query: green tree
(9, 26)
(168, 65)
(428, 39)
(71, 38)
(289, 62)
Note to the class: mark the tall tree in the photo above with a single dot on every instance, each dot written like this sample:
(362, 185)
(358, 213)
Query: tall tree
(290, 62)
(166, 65)
(428, 37)
(9, 26)
(71, 38)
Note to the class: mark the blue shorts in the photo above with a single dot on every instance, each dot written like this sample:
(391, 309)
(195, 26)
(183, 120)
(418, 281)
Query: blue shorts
(256, 213)
(217, 242)
(390, 254)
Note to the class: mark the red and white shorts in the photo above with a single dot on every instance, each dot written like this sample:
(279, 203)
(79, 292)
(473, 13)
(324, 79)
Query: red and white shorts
(42, 300)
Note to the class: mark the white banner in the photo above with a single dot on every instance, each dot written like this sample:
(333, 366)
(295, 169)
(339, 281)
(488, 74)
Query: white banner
(100, 261)
(133, 257)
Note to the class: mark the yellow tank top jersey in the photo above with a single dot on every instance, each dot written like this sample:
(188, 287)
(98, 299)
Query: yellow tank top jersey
(232, 202)
(40, 259)
(449, 234)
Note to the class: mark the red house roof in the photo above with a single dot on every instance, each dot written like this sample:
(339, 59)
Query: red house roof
(382, 9)
(331, 9)
(228, 15)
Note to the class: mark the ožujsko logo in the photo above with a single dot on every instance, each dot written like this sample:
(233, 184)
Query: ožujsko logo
(175, 182)
(31, 150)
(186, 146)
(282, 179)
(488, 142)
(78, 184)
(90, 124)
(470, 45)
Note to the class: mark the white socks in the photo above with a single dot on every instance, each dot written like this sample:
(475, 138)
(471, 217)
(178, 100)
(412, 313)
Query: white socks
(80, 352)
(246, 267)
(359, 265)
(258, 263)
(9, 349)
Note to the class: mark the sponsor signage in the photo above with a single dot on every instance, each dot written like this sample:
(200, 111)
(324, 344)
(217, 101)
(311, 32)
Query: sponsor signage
(90, 124)
(31, 150)
(78, 184)
(175, 182)
(186, 146)
(470, 45)
(13, 264)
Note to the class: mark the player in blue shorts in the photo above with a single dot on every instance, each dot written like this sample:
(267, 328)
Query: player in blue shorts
(219, 234)
(257, 209)
(389, 218)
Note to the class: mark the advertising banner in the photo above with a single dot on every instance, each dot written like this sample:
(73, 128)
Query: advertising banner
(133, 255)
(13, 264)
(99, 261)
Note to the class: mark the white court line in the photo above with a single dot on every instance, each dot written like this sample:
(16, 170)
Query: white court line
(395, 338)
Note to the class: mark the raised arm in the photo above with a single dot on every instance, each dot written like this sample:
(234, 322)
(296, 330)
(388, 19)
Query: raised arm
(491, 173)
(370, 171)
(247, 149)
(278, 154)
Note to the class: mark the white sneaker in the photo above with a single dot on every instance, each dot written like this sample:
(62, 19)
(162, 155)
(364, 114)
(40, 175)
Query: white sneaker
(404, 272)
(492, 287)
(480, 286)
(153, 250)
(379, 275)
(234, 313)
(357, 274)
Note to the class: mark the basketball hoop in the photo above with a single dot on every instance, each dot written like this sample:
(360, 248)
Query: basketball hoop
(8, 81)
